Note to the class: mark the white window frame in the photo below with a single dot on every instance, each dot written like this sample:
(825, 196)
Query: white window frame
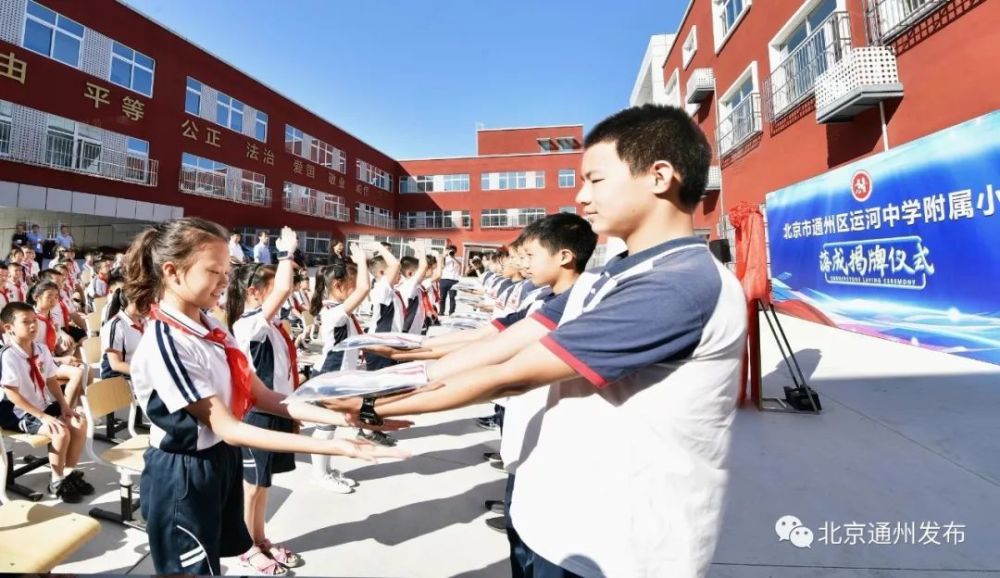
(257, 124)
(571, 209)
(197, 92)
(571, 173)
(372, 175)
(690, 46)
(139, 157)
(726, 108)
(133, 64)
(297, 136)
(209, 167)
(6, 126)
(775, 56)
(231, 111)
(55, 30)
(719, 30)
(672, 90)
(78, 140)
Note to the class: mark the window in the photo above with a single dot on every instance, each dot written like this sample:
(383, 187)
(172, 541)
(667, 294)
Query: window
(727, 14)
(566, 143)
(72, 146)
(260, 127)
(201, 176)
(131, 69)
(328, 156)
(739, 111)
(373, 216)
(512, 180)
(6, 112)
(434, 183)
(435, 220)
(813, 40)
(136, 159)
(673, 89)
(229, 112)
(373, 175)
(570, 209)
(509, 218)
(293, 140)
(546, 145)
(567, 178)
(192, 97)
(690, 46)
(453, 183)
(52, 34)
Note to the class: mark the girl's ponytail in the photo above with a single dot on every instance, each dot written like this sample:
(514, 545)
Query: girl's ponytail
(319, 292)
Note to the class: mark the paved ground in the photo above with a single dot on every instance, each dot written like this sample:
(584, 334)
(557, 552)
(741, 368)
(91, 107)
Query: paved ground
(906, 436)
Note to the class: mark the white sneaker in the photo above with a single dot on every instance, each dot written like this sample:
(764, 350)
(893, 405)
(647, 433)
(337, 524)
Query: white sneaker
(334, 484)
(337, 474)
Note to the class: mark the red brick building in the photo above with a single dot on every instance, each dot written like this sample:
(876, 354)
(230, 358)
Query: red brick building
(109, 121)
(789, 89)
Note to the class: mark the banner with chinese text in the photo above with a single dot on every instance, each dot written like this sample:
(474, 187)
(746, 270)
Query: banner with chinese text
(904, 245)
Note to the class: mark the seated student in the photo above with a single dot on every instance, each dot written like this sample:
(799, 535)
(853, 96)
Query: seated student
(412, 271)
(30, 265)
(5, 290)
(116, 282)
(120, 336)
(69, 318)
(44, 298)
(16, 287)
(663, 378)
(89, 260)
(33, 402)
(387, 314)
(98, 286)
(340, 288)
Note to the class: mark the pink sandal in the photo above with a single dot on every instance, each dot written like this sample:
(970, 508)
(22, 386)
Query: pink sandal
(282, 555)
(257, 559)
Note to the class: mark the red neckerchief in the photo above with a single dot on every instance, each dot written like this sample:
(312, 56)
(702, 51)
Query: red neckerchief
(293, 355)
(20, 291)
(50, 330)
(425, 298)
(36, 375)
(239, 368)
(139, 326)
(6, 295)
(406, 310)
(65, 312)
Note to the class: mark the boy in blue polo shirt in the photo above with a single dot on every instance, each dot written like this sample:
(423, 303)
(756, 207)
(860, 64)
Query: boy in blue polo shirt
(650, 349)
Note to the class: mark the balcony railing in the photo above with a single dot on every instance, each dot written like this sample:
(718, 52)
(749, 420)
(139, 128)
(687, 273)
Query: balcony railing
(887, 19)
(795, 78)
(60, 150)
(332, 207)
(437, 222)
(700, 85)
(317, 204)
(381, 221)
(214, 185)
(742, 122)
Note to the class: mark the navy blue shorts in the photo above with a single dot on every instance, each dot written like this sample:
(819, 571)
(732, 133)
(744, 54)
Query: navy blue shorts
(260, 465)
(193, 507)
(28, 423)
(376, 362)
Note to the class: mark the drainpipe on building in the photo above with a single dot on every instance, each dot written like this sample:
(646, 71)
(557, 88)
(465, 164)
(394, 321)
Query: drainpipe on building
(885, 127)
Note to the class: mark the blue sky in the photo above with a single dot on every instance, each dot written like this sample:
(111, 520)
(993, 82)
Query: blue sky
(412, 78)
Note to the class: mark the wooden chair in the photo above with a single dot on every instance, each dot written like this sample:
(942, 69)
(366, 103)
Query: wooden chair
(102, 398)
(94, 323)
(93, 356)
(31, 463)
(35, 538)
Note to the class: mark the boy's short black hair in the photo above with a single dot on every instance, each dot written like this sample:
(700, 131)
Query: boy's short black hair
(649, 133)
(376, 263)
(564, 231)
(13, 308)
(48, 274)
(407, 264)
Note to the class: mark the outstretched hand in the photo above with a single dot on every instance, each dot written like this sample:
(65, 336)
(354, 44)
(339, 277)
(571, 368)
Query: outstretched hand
(288, 241)
(365, 450)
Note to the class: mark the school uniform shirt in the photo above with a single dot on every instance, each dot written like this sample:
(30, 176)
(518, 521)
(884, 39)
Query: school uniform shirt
(298, 302)
(52, 322)
(387, 308)
(337, 325)
(98, 287)
(4, 297)
(31, 269)
(504, 289)
(122, 335)
(452, 269)
(17, 291)
(15, 372)
(261, 341)
(665, 380)
(413, 310)
(171, 370)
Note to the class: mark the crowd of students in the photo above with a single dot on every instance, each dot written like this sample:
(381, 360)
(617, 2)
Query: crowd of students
(633, 366)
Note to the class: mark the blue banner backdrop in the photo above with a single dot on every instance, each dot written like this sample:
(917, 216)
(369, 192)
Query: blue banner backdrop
(904, 244)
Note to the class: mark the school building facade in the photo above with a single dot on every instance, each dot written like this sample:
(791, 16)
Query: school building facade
(789, 89)
(109, 121)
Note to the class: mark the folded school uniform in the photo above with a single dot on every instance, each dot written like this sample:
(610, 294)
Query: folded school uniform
(393, 339)
(337, 384)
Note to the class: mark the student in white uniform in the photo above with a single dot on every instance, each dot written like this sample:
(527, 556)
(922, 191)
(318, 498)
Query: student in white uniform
(16, 287)
(451, 274)
(120, 336)
(340, 288)
(664, 378)
(253, 303)
(387, 306)
(33, 402)
(5, 291)
(45, 299)
(98, 286)
(195, 386)
(412, 271)
(31, 268)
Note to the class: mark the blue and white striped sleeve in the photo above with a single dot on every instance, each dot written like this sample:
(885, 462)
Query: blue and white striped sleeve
(181, 373)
